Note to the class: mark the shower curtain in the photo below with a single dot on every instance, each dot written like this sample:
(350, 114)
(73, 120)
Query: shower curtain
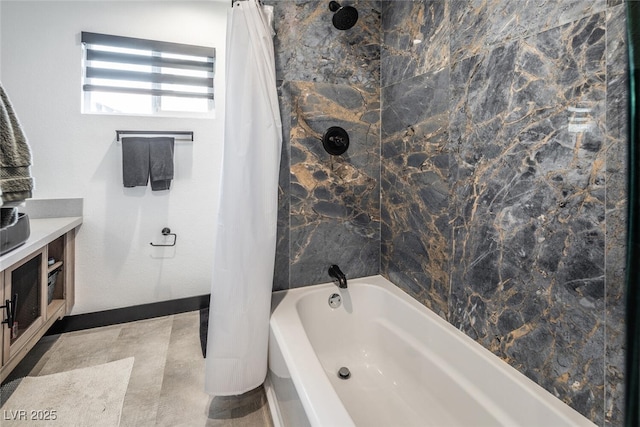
(246, 233)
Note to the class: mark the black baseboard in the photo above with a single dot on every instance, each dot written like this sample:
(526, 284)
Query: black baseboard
(128, 314)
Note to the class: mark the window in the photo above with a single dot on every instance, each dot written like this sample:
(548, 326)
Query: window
(124, 75)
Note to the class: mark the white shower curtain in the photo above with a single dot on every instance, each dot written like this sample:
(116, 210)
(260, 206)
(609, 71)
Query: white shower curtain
(246, 234)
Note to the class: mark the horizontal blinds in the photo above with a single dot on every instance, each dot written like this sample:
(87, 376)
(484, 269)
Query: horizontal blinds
(139, 66)
(142, 91)
(153, 61)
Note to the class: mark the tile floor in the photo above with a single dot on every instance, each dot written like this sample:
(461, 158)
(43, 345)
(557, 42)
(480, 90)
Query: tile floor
(166, 387)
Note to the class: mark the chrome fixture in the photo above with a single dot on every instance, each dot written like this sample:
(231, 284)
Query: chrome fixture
(167, 232)
(344, 373)
(335, 300)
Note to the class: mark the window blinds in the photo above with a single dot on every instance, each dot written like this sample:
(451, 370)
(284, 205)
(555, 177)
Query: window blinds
(147, 67)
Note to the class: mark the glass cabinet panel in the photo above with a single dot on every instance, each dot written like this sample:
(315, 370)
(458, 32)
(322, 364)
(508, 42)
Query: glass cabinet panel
(25, 294)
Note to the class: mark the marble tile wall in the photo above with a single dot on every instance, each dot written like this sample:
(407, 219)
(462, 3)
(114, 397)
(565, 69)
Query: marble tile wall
(329, 205)
(503, 195)
(490, 185)
(528, 276)
(416, 161)
(615, 211)
(334, 200)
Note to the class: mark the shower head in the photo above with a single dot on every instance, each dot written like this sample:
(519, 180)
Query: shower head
(344, 17)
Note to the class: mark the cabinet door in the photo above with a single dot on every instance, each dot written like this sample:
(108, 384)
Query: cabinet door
(23, 285)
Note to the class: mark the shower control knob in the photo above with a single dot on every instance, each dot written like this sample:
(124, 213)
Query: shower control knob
(335, 141)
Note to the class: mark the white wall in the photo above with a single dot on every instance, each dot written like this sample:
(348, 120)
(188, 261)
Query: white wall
(0, 41)
(76, 155)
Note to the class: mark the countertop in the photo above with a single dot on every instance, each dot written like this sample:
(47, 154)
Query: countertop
(43, 232)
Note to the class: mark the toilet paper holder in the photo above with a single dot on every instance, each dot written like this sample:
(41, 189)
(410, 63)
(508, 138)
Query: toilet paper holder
(167, 232)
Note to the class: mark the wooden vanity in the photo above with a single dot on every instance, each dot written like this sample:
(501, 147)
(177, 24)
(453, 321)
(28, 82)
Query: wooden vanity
(37, 283)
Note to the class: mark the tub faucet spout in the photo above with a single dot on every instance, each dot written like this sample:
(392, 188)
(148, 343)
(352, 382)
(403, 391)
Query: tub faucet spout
(338, 276)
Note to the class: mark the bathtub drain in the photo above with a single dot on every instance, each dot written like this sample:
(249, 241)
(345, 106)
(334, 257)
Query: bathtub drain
(335, 300)
(344, 373)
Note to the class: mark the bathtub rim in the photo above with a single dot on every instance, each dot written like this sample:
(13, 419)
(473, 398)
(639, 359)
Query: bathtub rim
(330, 410)
(321, 403)
(272, 400)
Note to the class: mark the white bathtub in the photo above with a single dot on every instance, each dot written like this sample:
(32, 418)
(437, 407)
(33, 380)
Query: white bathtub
(408, 366)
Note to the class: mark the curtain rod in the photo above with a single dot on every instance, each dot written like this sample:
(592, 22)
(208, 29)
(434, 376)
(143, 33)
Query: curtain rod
(187, 134)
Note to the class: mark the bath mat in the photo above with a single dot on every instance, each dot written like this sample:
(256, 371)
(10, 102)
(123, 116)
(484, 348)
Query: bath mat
(90, 396)
(7, 389)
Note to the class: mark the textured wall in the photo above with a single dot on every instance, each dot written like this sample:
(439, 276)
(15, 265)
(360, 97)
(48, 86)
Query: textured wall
(329, 205)
(503, 169)
(76, 155)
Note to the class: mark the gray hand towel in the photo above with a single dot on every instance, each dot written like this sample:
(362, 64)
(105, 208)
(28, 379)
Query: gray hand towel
(161, 162)
(135, 161)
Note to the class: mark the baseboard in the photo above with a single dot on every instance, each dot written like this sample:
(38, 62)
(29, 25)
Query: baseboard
(128, 314)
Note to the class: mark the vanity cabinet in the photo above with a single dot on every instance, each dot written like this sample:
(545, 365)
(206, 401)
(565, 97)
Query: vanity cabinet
(38, 288)
(23, 293)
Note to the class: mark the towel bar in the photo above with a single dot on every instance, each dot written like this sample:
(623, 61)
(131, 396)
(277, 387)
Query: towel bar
(188, 135)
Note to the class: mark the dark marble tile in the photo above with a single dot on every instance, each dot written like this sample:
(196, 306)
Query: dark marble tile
(319, 244)
(318, 192)
(335, 200)
(413, 100)
(309, 48)
(480, 25)
(617, 53)
(616, 212)
(528, 206)
(415, 179)
(281, 268)
(415, 39)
